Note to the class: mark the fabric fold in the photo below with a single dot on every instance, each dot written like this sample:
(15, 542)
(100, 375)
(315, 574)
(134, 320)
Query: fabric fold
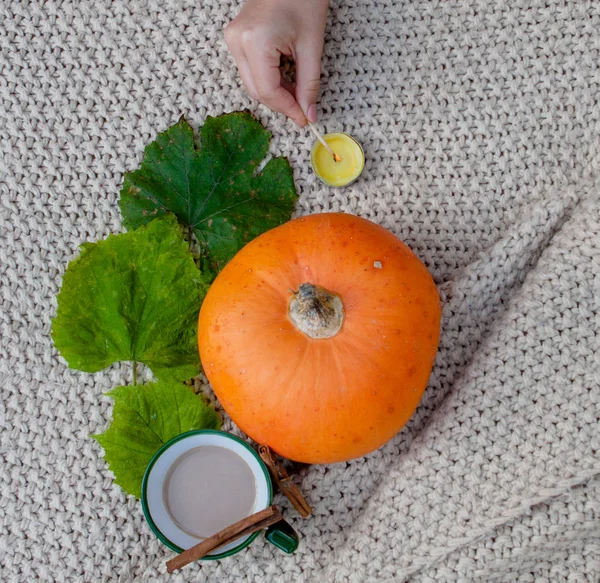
(518, 429)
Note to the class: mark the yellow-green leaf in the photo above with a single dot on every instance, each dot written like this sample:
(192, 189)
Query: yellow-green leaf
(144, 418)
(134, 296)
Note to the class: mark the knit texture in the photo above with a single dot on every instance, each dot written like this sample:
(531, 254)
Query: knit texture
(481, 123)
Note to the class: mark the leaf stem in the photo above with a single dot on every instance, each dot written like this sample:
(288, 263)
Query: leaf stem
(134, 372)
(190, 234)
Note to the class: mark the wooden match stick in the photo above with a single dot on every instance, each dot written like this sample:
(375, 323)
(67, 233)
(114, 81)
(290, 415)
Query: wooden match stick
(246, 526)
(321, 139)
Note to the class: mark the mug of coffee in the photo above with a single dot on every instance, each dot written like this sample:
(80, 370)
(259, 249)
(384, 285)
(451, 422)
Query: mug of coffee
(202, 481)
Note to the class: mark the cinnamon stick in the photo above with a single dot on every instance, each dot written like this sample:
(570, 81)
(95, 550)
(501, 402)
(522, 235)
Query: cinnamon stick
(284, 482)
(246, 526)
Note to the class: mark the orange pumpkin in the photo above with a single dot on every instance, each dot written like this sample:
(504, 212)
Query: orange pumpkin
(319, 337)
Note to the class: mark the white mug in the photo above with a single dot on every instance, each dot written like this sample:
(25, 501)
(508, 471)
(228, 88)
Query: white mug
(153, 503)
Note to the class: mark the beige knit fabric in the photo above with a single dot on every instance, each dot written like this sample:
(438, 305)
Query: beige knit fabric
(481, 125)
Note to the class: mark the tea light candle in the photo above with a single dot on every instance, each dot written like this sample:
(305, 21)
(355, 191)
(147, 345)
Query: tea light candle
(347, 169)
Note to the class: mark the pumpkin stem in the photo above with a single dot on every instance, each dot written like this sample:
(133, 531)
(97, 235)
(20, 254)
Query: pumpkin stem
(316, 311)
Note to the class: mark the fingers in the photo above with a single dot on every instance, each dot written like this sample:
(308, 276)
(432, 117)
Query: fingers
(288, 86)
(308, 76)
(262, 32)
(242, 63)
(258, 64)
(270, 89)
(247, 78)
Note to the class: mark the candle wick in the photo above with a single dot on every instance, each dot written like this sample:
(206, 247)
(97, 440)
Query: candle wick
(336, 158)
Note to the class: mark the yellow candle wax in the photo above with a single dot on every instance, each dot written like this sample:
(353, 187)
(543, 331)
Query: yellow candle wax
(347, 169)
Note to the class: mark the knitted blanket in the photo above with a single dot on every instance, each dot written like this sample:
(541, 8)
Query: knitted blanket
(480, 121)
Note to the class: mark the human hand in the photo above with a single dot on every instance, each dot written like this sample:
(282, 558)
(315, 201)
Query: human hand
(262, 32)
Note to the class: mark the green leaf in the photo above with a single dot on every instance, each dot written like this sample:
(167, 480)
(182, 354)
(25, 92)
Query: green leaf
(213, 189)
(144, 418)
(134, 296)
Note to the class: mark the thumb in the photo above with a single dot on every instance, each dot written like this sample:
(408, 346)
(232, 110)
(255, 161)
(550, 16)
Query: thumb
(308, 76)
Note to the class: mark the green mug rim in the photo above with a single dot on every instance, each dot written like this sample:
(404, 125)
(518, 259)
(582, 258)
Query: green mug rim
(166, 446)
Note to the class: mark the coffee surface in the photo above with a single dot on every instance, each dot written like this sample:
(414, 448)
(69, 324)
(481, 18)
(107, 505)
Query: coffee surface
(207, 489)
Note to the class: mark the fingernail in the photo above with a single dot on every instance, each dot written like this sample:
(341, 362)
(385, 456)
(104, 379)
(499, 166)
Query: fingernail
(311, 114)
